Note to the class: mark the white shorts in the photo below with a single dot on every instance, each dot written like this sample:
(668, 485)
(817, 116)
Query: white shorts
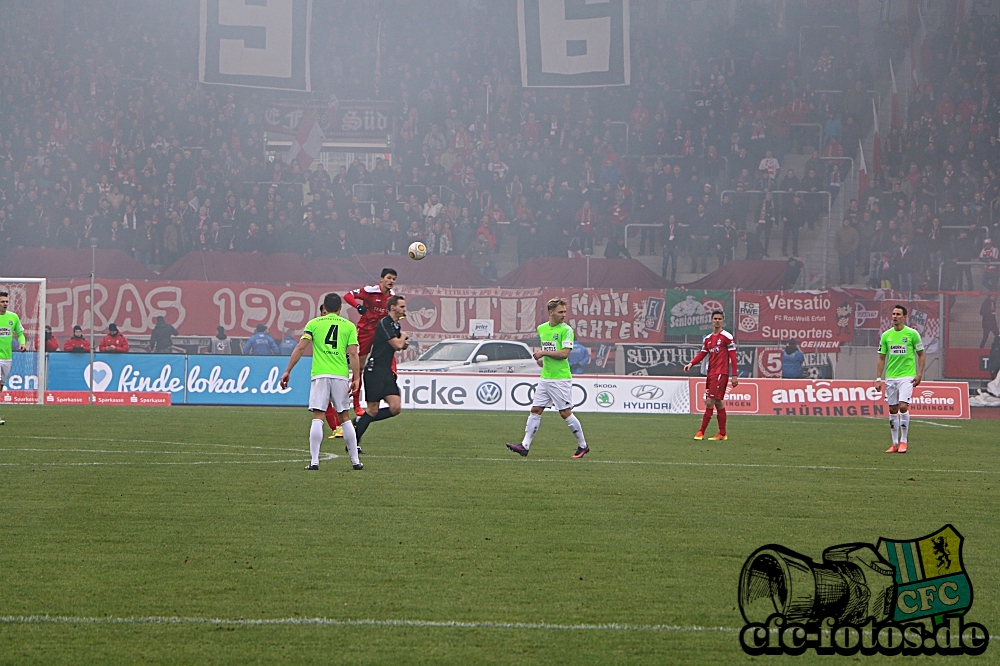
(898, 390)
(324, 390)
(5, 370)
(556, 393)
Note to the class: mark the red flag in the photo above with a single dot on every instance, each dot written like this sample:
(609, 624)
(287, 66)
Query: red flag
(862, 176)
(877, 148)
(896, 121)
(308, 141)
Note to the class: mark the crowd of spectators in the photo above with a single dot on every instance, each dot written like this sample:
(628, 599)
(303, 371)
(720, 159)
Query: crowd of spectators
(106, 134)
(930, 212)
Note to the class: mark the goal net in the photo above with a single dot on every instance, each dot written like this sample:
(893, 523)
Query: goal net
(26, 382)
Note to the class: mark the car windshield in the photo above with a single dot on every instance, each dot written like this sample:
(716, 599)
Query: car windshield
(449, 351)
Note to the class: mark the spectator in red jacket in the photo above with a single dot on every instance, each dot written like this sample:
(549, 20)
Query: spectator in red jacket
(77, 343)
(51, 342)
(114, 341)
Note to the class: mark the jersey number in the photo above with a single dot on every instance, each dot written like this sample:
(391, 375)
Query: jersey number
(331, 336)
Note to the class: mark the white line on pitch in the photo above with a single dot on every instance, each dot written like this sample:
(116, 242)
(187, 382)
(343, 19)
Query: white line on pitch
(939, 425)
(324, 457)
(327, 622)
(822, 468)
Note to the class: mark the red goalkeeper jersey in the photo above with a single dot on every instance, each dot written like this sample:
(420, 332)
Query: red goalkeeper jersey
(371, 297)
(721, 351)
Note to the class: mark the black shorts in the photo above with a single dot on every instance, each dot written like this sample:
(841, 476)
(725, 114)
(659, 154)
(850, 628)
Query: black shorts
(378, 385)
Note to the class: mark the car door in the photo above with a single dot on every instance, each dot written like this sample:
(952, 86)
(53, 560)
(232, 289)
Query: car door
(517, 358)
(494, 363)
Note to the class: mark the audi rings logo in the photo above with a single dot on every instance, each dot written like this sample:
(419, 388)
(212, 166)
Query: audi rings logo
(524, 393)
(489, 393)
(646, 392)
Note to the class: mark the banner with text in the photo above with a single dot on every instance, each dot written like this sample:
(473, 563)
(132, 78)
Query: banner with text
(818, 320)
(669, 360)
(614, 395)
(802, 397)
(690, 312)
(611, 315)
(817, 365)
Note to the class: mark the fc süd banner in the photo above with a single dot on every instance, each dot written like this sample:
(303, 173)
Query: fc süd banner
(260, 44)
(574, 43)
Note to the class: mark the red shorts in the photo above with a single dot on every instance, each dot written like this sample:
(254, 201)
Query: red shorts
(715, 386)
(365, 339)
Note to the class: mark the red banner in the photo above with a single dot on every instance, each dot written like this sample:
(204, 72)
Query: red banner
(433, 313)
(802, 397)
(83, 397)
(816, 319)
(612, 315)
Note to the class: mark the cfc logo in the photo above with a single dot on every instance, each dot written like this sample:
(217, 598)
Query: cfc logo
(489, 393)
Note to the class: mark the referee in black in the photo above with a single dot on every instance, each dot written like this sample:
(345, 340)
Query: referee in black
(379, 374)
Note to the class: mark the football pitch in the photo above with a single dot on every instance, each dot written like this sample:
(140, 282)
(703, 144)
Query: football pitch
(193, 535)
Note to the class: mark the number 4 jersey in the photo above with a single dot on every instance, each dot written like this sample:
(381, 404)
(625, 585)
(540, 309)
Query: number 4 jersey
(331, 335)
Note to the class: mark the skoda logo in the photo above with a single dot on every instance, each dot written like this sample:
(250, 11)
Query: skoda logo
(647, 392)
(489, 393)
(605, 399)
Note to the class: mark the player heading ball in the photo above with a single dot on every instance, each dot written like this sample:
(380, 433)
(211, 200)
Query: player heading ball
(555, 388)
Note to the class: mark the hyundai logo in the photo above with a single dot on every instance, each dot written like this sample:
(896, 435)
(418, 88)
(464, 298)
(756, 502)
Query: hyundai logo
(647, 392)
(489, 393)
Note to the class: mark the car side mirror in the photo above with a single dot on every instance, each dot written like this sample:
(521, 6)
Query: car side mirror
(481, 358)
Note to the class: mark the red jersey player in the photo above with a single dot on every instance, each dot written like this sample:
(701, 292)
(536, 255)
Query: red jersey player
(370, 302)
(720, 348)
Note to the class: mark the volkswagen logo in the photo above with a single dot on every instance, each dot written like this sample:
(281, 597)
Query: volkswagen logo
(647, 392)
(489, 393)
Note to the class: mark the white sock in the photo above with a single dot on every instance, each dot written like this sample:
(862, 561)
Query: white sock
(315, 439)
(351, 438)
(894, 427)
(577, 430)
(530, 428)
(904, 426)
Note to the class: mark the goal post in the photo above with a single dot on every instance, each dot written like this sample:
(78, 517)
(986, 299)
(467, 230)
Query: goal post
(27, 381)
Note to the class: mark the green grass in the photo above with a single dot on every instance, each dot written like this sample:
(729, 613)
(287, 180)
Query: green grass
(106, 516)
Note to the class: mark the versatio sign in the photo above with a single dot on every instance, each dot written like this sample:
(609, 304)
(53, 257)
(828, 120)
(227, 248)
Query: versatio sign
(816, 319)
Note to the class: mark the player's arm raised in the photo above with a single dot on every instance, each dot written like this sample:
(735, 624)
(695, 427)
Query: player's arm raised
(297, 353)
(351, 298)
(698, 358)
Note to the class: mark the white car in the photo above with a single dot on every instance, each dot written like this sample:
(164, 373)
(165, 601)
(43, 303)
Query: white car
(486, 356)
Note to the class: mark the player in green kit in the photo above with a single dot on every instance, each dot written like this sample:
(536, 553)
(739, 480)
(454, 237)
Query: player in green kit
(336, 374)
(10, 327)
(901, 355)
(555, 388)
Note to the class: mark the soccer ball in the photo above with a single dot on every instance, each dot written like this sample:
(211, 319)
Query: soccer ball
(417, 250)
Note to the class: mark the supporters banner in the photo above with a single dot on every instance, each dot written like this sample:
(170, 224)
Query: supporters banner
(817, 365)
(690, 312)
(259, 44)
(574, 43)
(341, 122)
(667, 360)
(818, 320)
(801, 397)
(613, 395)
(612, 315)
